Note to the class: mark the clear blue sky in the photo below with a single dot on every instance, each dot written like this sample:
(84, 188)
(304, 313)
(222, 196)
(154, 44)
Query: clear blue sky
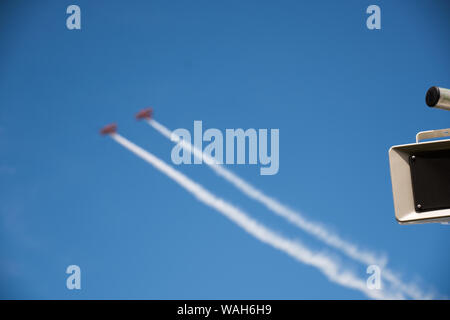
(340, 94)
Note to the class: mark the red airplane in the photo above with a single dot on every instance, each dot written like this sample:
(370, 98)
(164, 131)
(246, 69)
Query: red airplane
(109, 129)
(145, 114)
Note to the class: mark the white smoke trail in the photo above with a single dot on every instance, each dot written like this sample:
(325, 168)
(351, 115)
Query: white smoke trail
(330, 268)
(313, 228)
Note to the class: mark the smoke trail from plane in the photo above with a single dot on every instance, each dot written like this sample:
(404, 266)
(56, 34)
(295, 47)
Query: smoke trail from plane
(294, 217)
(330, 268)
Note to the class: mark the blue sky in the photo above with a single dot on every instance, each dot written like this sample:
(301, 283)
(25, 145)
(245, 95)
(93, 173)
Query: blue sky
(340, 94)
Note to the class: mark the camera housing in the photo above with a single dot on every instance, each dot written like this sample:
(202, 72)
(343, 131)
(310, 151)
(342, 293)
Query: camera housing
(420, 176)
(438, 98)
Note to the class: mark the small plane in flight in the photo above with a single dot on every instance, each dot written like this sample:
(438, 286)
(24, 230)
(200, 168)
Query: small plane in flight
(146, 113)
(109, 129)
